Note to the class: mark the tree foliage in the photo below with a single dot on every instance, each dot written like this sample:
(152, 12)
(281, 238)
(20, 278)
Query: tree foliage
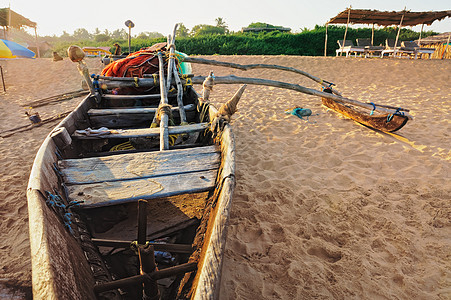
(203, 29)
(209, 40)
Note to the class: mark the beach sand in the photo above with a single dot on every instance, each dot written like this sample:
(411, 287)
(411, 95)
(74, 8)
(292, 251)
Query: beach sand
(324, 209)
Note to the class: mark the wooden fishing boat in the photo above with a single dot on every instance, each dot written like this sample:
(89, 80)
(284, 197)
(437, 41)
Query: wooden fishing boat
(388, 122)
(133, 209)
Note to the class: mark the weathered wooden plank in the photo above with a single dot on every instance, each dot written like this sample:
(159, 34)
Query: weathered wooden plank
(134, 110)
(144, 132)
(118, 192)
(209, 276)
(130, 117)
(139, 165)
(130, 120)
(130, 97)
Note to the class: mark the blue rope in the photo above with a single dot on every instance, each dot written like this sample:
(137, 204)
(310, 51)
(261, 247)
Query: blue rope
(374, 108)
(399, 112)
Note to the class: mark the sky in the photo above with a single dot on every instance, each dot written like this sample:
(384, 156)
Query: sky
(55, 16)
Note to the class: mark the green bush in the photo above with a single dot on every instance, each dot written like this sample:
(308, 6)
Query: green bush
(308, 42)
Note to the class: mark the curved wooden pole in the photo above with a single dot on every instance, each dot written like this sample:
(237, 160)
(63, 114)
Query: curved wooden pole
(259, 66)
(231, 79)
(171, 42)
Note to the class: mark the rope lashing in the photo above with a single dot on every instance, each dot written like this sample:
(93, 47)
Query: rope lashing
(160, 256)
(95, 82)
(57, 203)
(54, 201)
(398, 112)
(136, 81)
(374, 108)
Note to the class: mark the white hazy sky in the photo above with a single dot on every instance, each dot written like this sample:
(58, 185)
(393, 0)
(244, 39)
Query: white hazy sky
(56, 16)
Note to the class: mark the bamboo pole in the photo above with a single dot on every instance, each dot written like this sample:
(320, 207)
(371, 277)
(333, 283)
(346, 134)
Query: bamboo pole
(346, 31)
(164, 131)
(421, 32)
(36, 39)
(231, 79)
(325, 42)
(324, 83)
(372, 36)
(397, 35)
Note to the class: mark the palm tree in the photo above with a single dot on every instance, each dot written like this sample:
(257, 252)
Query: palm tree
(221, 24)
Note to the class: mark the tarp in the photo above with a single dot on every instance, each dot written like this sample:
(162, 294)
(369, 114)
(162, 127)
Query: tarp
(17, 21)
(387, 18)
(10, 49)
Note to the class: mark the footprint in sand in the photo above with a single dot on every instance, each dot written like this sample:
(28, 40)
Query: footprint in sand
(325, 254)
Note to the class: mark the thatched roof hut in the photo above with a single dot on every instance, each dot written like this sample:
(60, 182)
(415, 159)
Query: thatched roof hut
(440, 42)
(386, 18)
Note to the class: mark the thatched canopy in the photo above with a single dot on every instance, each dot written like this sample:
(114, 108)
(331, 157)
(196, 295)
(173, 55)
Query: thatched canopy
(387, 18)
(436, 39)
(16, 20)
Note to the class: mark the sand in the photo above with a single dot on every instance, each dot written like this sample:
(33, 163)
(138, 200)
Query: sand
(325, 209)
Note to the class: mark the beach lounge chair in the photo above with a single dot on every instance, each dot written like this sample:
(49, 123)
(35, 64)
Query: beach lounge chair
(370, 50)
(417, 49)
(349, 48)
(391, 50)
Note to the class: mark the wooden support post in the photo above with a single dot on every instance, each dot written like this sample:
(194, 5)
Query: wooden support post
(147, 262)
(164, 131)
(207, 87)
(397, 35)
(3, 79)
(142, 222)
(37, 44)
(372, 36)
(84, 72)
(421, 32)
(346, 31)
(325, 42)
(180, 97)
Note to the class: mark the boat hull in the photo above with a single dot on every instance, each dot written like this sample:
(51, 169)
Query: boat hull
(385, 122)
(60, 269)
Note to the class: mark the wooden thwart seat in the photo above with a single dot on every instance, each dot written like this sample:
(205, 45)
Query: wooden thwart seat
(128, 117)
(143, 132)
(116, 179)
(127, 111)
